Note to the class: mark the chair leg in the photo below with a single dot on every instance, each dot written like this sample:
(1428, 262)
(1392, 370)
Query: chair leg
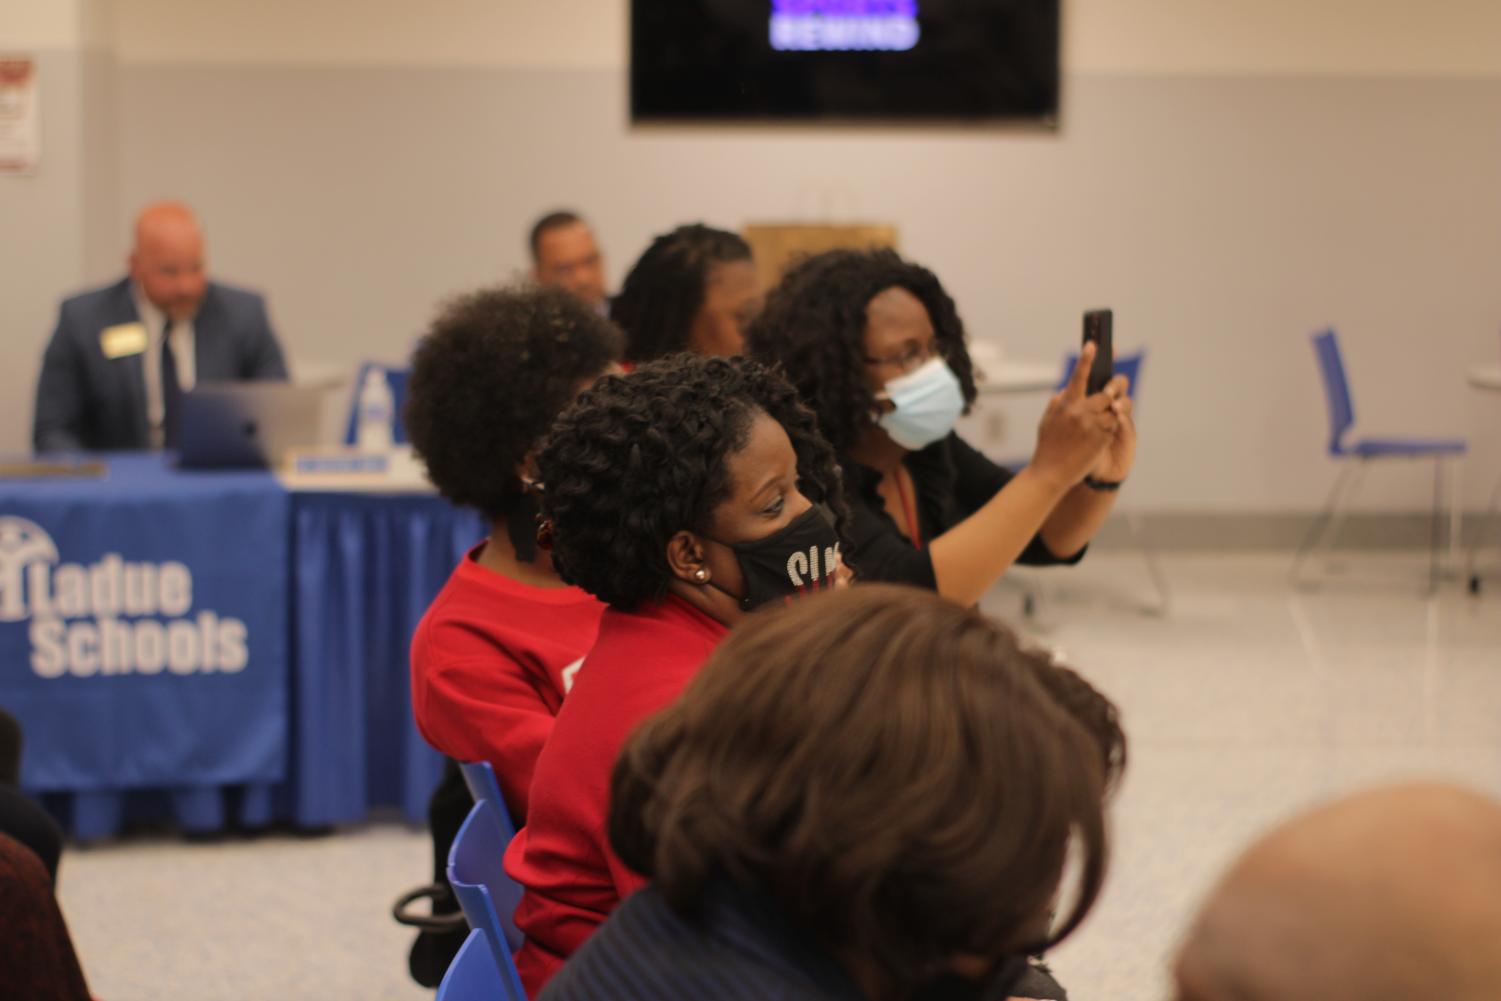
(1456, 509)
(1492, 509)
(1436, 529)
(1327, 518)
(1154, 569)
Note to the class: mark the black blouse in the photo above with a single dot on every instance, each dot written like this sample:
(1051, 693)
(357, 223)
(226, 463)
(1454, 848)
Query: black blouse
(953, 481)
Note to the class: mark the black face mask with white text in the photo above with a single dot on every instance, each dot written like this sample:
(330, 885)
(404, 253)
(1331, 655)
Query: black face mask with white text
(795, 560)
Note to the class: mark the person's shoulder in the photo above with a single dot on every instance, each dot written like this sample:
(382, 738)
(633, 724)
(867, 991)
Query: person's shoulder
(93, 300)
(236, 297)
(645, 950)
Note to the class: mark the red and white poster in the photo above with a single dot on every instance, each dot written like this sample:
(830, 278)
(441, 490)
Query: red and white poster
(20, 130)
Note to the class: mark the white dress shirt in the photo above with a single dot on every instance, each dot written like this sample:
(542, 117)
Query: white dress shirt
(154, 320)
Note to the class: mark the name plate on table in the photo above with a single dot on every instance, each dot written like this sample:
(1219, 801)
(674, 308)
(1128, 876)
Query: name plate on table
(352, 464)
(143, 627)
(395, 470)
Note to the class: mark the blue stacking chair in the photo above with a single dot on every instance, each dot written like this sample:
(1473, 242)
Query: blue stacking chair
(1130, 366)
(479, 776)
(1354, 455)
(476, 871)
(473, 975)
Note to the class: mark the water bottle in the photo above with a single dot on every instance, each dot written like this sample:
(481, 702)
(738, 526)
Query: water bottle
(375, 412)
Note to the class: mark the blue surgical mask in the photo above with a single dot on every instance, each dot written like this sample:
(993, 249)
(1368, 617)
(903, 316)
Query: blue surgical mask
(927, 403)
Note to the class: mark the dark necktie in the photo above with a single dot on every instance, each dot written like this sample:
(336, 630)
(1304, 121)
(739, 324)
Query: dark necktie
(171, 389)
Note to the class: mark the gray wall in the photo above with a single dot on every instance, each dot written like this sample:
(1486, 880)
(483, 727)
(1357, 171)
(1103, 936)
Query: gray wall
(1224, 219)
(1225, 205)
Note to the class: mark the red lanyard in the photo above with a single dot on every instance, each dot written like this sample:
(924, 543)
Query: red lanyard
(910, 509)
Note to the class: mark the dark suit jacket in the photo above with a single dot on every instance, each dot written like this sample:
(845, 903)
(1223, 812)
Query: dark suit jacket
(87, 401)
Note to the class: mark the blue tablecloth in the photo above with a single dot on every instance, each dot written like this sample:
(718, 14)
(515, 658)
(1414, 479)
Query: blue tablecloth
(314, 728)
(365, 568)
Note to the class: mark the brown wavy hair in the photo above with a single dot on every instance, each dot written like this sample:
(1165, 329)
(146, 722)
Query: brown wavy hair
(899, 774)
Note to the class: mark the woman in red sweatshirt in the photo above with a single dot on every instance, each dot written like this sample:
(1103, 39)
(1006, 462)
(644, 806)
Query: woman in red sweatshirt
(683, 495)
(497, 649)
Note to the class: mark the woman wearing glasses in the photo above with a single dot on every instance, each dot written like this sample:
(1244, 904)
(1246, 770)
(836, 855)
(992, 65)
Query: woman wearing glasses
(875, 346)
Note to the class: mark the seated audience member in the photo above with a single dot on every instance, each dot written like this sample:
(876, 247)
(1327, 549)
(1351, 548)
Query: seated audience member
(565, 256)
(498, 648)
(694, 289)
(122, 356)
(37, 961)
(871, 795)
(20, 817)
(683, 495)
(1390, 895)
(874, 344)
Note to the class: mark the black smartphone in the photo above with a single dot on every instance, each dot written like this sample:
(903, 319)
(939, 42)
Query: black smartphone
(1097, 328)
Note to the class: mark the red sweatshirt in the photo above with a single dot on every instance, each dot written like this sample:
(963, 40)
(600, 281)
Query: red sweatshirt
(562, 857)
(491, 661)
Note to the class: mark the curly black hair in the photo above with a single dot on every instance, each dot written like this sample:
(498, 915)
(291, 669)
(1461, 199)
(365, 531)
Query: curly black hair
(814, 323)
(665, 288)
(639, 458)
(488, 378)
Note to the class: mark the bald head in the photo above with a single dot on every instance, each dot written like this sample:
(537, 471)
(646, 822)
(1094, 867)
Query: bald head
(166, 262)
(1391, 895)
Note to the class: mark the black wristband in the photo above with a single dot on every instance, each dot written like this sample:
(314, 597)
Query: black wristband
(1103, 486)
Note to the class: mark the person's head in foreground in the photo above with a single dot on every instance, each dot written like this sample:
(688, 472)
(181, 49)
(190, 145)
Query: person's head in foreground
(166, 260)
(494, 370)
(873, 342)
(1390, 895)
(703, 478)
(882, 786)
(565, 255)
(694, 289)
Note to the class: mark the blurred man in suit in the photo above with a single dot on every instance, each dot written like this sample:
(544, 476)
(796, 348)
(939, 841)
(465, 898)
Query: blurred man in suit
(564, 254)
(122, 356)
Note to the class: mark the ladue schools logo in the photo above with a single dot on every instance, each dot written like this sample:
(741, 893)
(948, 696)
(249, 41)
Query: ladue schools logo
(111, 617)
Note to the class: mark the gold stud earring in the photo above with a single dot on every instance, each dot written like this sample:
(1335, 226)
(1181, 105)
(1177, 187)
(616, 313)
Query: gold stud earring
(701, 575)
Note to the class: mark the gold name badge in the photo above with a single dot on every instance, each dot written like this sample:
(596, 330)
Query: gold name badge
(122, 340)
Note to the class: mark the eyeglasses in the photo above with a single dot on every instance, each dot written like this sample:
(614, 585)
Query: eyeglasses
(909, 359)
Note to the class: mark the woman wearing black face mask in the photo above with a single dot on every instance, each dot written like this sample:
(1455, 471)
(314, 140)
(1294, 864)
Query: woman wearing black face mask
(806, 841)
(684, 495)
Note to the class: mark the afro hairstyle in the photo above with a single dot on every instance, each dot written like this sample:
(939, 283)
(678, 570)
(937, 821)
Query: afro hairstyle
(488, 379)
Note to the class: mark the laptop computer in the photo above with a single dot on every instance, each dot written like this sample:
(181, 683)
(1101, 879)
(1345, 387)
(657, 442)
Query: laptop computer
(246, 424)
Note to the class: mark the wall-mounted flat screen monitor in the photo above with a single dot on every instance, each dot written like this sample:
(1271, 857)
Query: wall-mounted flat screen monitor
(849, 60)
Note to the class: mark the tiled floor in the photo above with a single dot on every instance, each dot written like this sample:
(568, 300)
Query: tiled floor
(1244, 703)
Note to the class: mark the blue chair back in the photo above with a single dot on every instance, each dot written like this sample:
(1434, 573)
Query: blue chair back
(1126, 365)
(473, 975)
(476, 871)
(1336, 389)
(479, 776)
(396, 378)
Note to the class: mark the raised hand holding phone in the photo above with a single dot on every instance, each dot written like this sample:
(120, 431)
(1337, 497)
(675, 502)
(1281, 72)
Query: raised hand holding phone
(1114, 465)
(1076, 429)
